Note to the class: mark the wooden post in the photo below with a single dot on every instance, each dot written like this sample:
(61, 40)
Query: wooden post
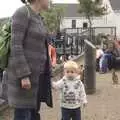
(90, 67)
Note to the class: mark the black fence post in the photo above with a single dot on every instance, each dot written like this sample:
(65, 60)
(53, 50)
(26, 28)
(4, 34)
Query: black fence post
(90, 67)
(64, 44)
(72, 46)
(77, 46)
(115, 35)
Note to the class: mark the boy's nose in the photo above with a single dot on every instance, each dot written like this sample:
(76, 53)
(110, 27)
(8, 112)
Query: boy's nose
(70, 74)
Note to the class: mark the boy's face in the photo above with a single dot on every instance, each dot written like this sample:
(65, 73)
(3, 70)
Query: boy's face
(71, 73)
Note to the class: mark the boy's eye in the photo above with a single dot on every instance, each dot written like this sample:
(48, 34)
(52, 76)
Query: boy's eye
(70, 71)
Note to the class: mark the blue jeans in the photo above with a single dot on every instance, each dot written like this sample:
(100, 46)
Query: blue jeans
(27, 114)
(71, 114)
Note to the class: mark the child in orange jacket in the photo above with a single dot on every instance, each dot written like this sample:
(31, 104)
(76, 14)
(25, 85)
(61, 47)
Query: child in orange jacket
(52, 54)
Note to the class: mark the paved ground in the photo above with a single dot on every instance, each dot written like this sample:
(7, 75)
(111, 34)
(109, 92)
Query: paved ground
(103, 105)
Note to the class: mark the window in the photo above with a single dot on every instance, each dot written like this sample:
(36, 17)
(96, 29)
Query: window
(73, 23)
(85, 25)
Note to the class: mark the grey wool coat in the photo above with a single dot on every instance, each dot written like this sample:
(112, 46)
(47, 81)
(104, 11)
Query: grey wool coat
(28, 58)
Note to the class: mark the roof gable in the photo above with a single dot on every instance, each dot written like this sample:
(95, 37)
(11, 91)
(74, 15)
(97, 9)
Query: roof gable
(70, 10)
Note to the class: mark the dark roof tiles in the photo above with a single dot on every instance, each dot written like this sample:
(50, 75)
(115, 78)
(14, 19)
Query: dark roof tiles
(70, 10)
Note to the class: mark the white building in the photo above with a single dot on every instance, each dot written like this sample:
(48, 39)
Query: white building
(74, 19)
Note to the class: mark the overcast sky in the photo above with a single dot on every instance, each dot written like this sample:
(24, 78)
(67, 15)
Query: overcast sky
(7, 7)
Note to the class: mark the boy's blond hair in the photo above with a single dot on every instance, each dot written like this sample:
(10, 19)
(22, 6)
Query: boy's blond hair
(71, 65)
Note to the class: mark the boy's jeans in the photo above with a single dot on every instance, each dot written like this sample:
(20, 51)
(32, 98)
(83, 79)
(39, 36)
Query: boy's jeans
(71, 114)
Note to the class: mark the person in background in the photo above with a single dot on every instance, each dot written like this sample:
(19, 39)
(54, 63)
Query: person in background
(52, 36)
(99, 53)
(52, 50)
(72, 90)
(52, 54)
(29, 67)
(109, 37)
(103, 63)
(111, 59)
(58, 35)
(82, 70)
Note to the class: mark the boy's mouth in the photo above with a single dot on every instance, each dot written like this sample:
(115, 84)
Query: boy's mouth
(71, 77)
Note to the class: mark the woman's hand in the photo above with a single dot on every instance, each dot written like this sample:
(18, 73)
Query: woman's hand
(25, 83)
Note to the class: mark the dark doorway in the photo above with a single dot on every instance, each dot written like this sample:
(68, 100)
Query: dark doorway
(73, 23)
(85, 25)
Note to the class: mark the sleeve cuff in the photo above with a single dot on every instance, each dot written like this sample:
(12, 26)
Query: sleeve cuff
(27, 76)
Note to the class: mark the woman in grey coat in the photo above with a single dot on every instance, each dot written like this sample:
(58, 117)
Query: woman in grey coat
(29, 65)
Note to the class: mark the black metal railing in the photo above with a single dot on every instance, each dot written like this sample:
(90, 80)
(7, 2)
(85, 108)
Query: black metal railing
(72, 40)
(95, 30)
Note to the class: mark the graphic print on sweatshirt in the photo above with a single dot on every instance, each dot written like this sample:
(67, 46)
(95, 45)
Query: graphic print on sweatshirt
(71, 92)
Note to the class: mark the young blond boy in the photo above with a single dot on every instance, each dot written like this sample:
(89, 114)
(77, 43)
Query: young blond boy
(72, 92)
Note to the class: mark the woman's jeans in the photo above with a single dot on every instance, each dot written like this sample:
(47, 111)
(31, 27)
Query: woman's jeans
(27, 114)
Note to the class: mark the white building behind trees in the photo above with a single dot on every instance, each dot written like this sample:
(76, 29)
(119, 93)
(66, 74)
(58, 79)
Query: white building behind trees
(73, 19)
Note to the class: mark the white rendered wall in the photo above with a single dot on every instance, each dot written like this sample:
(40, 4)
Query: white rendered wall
(109, 20)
